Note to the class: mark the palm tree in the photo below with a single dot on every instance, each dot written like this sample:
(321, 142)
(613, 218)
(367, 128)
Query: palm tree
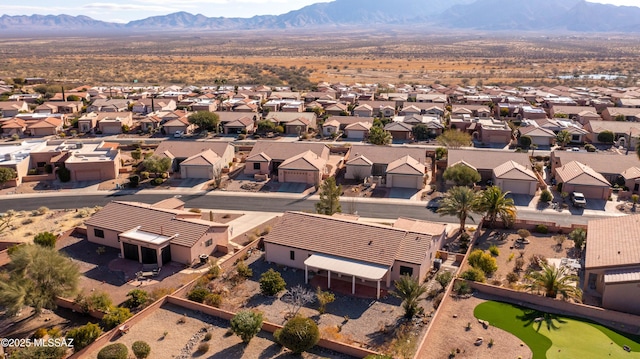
(553, 281)
(495, 204)
(460, 202)
(563, 137)
(638, 149)
(409, 290)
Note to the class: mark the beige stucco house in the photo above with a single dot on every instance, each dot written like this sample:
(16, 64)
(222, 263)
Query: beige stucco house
(402, 167)
(578, 177)
(201, 159)
(515, 178)
(304, 162)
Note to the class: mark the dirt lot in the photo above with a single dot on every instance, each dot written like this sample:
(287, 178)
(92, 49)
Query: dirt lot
(450, 333)
(26, 224)
(182, 339)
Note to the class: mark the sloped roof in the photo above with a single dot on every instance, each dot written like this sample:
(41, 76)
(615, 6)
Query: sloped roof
(281, 151)
(307, 161)
(613, 242)
(241, 122)
(331, 123)
(186, 149)
(420, 226)
(629, 173)
(206, 158)
(398, 127)
(359, 161)
(486, 159)
(580, 174)
(609, 163)
(259, 157)
(359, 126)
(535, 131)
(407, 166)
(514, 171)
(49, 122)
(388, 154)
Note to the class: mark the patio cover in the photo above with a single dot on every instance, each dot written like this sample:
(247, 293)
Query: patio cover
(345, 266)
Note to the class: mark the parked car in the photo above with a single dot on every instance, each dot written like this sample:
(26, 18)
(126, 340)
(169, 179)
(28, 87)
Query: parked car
(178, 134)
(578, 200)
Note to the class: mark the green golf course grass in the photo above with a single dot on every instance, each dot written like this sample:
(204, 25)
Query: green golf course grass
(552, 336)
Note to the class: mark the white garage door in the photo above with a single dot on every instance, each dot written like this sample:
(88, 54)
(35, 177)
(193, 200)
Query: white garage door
(197, 172)
(294, 176)
(401, 181)
(593, 191)
(87, 175)
(517, 187)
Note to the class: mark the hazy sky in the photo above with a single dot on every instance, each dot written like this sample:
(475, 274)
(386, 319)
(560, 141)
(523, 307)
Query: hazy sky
(126, 10)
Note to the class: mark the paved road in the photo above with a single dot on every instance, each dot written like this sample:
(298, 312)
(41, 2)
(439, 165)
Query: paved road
(366, 207)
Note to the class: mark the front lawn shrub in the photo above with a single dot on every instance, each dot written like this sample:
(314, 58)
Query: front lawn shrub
(541, 228)
(197, 294)
(546, 196)
(114, 351)
(141, 349)
(83, 336)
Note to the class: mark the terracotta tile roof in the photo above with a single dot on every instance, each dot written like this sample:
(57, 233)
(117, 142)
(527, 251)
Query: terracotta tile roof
(242, 122)
(331, 123)
(281, 151)
(580, 174)
(515, 171)
(406, 166)
(259, 157)
(536, 132)
(398, 127)
(124, 216)
(13, 123)
(229, 116)
(600, 162)
(205, 158)
(186, 149)
(613, 242)
(49, 122)
(387, 154)
(349, 239)
(486, 159)
(304, 161)
(290, 116)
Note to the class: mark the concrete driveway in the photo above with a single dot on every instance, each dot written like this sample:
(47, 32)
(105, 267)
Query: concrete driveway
(402, 193)
(521, 200)
(289, 187)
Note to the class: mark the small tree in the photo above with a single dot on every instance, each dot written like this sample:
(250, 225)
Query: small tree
(559, 239)
(454, 139)
(378, 136)
(96, 301)
(140, 349)
(114, 351)
(563, 137)
(546, 196)
(408, 289)
(329, 197)
(473, 274)
(205, 120)
(271, 283)
(324, 298)
(441, 153)
(420, 132)
(461, 175)
(298, 334)
(483, 261)
(579, 238)
(137, 298)
(296, 298)
(246, 324)
(525, 141)
(84, 335)
(45, 239)
(523, 233)
(6, 175)
(157, 165)
(606, 137)
(244, 270)
(444, 279)
(115, 317)
(197, 294)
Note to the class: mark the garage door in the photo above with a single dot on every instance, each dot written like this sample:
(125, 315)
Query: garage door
(294, 176)
(197, 171)
(593, 191)
(401, 181)
(540, 141)
(87, 175)
(518, 187)
(498, 139)
(356, 134)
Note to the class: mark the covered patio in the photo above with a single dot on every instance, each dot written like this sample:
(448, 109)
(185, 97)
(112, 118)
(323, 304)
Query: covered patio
(347, 267)
(145, 247)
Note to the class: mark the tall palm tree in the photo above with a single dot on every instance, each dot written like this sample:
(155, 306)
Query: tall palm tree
(495, 204)
(563, 137)
(460, 202)
(553, 281)
(409, 290)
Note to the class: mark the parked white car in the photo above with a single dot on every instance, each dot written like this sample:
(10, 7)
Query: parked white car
(178, 134)
(578, 200)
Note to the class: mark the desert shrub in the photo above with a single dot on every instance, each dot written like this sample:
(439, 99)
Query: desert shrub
(590, 148)
(214, 271)
(444, 278)
(519, 264)
(433, 293)
(42, 210)
(541, 228)
(114, 351)
(462, 288)
(512, 277)
(213, 299)
(483, 261)
(159, 293)
(137, 298)
(203, 348)
(523, 233)
(378, 356)
(96, 301)
(195, 210)
(134, 180)
(298, 334)
(437, 300)
(115, 316)
(546, 196)
(494, 250)
(45, 239)
(271, 283)
(207, 337)
(246, 324)
(64, 174)
(536, 261)
(157, 181)
(40, 333)
(243, 269)
(84, 335)
(140, 349)
(197, 294)
(55, 332)
(473, 274)
(145, 174)
(324, 298)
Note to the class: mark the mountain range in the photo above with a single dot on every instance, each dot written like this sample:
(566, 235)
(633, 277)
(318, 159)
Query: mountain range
(486, 15)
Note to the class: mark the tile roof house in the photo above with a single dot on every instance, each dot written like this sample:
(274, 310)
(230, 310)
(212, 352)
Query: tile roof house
(353, 251)
(625, 133)
(540, 136)
(204, 159)
(612, 262)
(12, 108)
(515, 178)
(13, 126)
(578, 177)
(485, 161)
(609, 165)
(237, 122)
(180, 124)
(294, 123)
(108, 105)
(631, 178)
(303, 162)
(381, 108)
(358, 130)
(45, 127)
(397, 166)
(153, 234)
(399, 131)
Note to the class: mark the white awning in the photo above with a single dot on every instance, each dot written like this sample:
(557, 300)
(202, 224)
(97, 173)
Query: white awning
(345, 266)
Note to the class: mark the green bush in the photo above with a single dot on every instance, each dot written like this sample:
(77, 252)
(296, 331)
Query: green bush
(157, 181)
(203, 348)
(378, 356)
(243, 269)
(134, 180)
(64, 175)
(590, 148)
(197, 294)
(298, 334)
(494, 250)
(45, 239)
(473, 274)
(213, 299)
(84, 335)
(546, 196)
(115, 317)
(483, 261)
(140, 349)
(512, 277)
(137, 298)
(114, 351)
(271, 283)
(462, 288)
(541, 228)
(246, 324)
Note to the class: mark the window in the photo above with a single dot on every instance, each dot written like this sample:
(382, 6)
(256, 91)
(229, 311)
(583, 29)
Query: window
(41, 164)
(406, 270)
(575, 138)
(256, 165)
(292, 255)
(208, 243)
(98, 233)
